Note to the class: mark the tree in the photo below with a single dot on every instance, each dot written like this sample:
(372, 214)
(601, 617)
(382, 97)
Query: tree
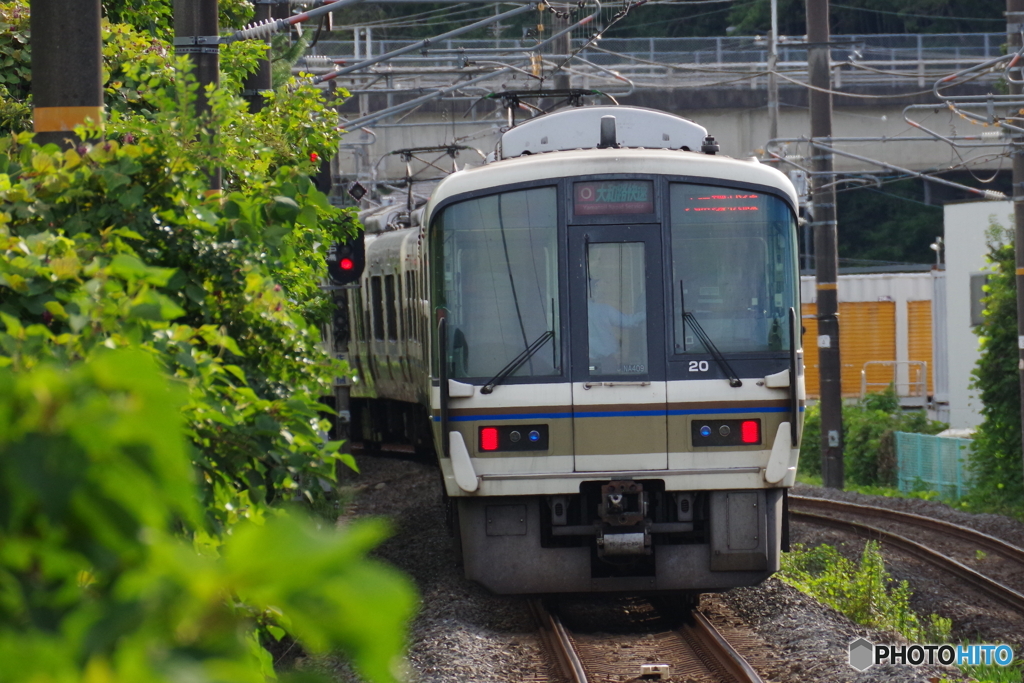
(160, 376)
(996, 458)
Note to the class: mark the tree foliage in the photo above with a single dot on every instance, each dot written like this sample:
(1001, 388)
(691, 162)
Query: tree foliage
(97, 582)
(869, 441)
(996, 458)
(745, 18)
(114, 244)
(142, 533)
(891, 225)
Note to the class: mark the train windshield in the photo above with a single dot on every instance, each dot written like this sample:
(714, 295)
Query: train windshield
(733, 268)
(500, 268)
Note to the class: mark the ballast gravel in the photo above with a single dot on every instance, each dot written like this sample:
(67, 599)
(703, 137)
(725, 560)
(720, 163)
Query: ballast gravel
(463, 633)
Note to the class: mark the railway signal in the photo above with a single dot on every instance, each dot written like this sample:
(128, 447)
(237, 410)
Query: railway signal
(346, 261)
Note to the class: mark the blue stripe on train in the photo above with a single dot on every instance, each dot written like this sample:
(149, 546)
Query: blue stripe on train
(623, 413)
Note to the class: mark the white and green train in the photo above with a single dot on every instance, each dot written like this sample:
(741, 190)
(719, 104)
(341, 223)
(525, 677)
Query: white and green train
(597, 331)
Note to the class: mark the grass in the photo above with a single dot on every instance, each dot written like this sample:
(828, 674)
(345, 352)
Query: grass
(972, 504)
(887, 491)
(865, 592)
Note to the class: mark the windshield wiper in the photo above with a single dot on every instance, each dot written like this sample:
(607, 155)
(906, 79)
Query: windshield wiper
(734, 379)
(516, 362)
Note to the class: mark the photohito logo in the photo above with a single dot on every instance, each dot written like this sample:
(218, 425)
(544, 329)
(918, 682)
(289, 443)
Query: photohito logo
(864, 654)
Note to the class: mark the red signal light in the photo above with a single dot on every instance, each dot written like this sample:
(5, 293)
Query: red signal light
(750, 431)
(346, 264)
(489, 439)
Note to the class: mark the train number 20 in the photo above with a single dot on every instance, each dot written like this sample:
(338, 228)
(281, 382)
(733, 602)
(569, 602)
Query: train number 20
(698, 366)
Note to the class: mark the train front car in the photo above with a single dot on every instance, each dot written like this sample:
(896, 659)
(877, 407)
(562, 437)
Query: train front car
(618, 392)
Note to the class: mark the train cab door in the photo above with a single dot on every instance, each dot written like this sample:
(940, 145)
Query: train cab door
(617, 347)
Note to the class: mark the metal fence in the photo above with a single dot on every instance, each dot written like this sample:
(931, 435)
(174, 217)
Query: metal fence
(933, 463)
(729, 49)
(723, 61)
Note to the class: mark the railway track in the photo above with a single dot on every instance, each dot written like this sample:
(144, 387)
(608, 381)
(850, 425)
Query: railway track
(693, 650)
(838, 514)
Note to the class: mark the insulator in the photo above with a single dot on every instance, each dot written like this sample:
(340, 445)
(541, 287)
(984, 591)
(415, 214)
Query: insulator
(261, 30)
(995, 196)
(319, 60)
(992, 135)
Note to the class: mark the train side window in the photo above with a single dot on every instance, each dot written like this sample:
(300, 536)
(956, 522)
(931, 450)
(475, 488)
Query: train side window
(392, 318)
(377, 296)
(359, 330)
(410, 307)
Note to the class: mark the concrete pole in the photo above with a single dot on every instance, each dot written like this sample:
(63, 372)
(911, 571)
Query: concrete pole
(261, 80)
(826, 258)
(773, 81)
(1014, 23)
(67, 68)
(196, 29)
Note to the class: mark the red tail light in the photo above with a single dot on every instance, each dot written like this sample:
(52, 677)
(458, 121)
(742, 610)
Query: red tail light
(489, 439)
(750, 431)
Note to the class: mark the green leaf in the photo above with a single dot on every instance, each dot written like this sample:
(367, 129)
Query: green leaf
(132, 198)
(307, 217)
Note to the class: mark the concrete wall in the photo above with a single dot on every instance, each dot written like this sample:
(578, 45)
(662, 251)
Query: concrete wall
(966, 237)
(741, 131)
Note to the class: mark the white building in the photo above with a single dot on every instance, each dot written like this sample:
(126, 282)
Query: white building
(917, 329)
(967, 244)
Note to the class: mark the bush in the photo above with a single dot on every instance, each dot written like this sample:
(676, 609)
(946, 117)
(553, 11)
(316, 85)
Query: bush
(869, 441)
(115, 244)
(96, 581)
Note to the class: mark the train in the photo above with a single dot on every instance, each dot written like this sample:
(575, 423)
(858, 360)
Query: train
(597, 332)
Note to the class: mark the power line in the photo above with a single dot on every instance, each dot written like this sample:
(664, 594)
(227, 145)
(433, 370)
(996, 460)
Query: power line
(920, 16)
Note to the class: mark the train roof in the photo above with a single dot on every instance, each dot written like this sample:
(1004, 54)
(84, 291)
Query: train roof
(553, 165)
(598, 127)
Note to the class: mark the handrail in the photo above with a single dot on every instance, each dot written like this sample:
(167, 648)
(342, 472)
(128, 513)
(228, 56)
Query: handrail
(921, 384)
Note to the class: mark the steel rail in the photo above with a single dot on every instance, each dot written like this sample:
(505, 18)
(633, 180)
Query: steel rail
(718, 647)
(990, 587)
(558, 642)
(987, 542)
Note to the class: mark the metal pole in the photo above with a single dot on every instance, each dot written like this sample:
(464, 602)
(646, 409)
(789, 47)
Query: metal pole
(826, 258)
(562, 45)
(261, 81)
(773, 81)
(196, 34)
(67, 80)
(1014, 21)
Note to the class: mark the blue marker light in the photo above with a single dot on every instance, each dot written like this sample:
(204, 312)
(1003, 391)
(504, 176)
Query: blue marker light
(705, 431)
(534, 435)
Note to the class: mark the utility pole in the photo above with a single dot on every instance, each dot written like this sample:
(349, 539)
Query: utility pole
(826, 259)
(773, 81)
(260, 81)
(197, 34)
(67, 65)
(1014, 24)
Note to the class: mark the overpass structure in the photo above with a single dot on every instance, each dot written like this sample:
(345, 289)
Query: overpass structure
(891, 102)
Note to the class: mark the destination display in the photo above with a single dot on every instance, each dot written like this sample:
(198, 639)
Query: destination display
(719, 202)
(613, 197)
